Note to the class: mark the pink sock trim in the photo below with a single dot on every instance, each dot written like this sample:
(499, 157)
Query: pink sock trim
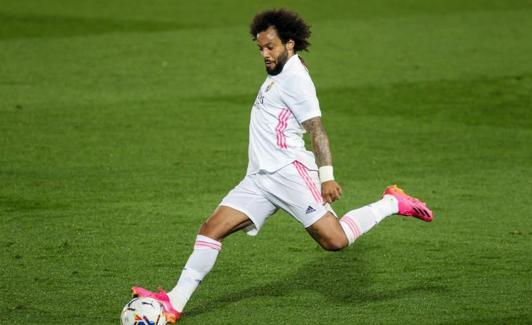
(352, 226)
(203, 242)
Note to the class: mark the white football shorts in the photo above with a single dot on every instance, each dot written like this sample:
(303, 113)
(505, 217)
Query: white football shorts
(293, 188)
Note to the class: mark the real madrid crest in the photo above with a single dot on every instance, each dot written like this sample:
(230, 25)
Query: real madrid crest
(270, 86)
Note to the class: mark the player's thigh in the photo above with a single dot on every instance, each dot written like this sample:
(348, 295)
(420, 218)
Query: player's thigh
(248, 198)
(244, 207)
(328, 232)
(224, 221)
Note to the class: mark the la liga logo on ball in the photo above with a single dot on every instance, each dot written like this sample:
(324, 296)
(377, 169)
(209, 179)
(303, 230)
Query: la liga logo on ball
(143, 311)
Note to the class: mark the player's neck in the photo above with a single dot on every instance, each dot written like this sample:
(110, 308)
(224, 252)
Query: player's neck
(290, 55)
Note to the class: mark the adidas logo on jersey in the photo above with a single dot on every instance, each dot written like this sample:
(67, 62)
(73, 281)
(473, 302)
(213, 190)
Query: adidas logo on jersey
(310, 210)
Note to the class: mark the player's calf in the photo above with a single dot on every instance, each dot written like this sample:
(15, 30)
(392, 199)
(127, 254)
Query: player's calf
(357, 222)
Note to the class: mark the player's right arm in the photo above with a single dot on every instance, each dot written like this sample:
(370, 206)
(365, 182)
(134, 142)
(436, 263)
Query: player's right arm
(330, 189)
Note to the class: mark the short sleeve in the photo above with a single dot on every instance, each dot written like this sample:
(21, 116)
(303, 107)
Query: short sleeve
(299, 95)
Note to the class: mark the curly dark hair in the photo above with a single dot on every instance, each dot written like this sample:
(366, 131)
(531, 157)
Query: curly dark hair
(288, 24)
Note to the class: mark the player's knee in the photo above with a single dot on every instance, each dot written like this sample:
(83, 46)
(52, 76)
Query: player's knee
(208, 229)
(204, 228)
(334, 245)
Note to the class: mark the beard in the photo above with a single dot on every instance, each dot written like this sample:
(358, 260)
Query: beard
(281, 61)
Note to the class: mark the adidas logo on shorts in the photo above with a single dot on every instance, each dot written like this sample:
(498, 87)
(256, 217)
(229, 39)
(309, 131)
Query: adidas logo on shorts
(310, 210)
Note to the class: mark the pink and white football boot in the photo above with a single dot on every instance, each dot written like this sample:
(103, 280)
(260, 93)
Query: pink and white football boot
(171, 314)
(409, 206)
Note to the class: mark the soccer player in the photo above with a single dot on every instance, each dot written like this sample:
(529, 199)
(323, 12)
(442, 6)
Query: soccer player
(281, 173)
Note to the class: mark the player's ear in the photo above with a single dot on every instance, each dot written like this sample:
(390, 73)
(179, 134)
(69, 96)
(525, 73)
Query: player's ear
(290, 45)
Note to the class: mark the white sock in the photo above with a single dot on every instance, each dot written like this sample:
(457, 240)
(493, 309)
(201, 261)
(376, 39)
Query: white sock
(198, 265)
(359, 221)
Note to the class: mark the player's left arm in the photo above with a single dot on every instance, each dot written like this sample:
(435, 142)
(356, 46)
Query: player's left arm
(330, 190)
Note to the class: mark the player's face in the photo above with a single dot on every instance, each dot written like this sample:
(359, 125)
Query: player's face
(274, 52)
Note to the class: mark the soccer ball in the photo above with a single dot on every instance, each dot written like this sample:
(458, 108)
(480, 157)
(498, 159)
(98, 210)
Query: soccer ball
(143, 311)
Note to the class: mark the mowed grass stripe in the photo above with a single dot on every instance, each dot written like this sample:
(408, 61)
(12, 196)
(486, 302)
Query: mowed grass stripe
(172, 64)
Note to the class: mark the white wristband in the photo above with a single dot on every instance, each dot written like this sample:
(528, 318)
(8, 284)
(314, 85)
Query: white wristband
(326, 173)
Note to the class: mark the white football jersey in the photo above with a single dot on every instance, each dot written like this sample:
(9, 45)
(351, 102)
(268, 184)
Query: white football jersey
(283, 103)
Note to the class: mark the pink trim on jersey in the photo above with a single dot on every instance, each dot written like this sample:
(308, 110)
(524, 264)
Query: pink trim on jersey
(302, 170)
(204, 244)
(352, 225)
(281, 127)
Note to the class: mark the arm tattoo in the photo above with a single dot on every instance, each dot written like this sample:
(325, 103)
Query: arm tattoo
(320, 141)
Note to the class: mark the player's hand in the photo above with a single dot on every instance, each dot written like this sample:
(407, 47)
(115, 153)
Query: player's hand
(330, 191)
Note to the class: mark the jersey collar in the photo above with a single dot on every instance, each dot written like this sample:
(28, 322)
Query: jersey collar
(291, 63)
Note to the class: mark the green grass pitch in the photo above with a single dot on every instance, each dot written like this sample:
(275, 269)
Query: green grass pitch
(123, 124)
